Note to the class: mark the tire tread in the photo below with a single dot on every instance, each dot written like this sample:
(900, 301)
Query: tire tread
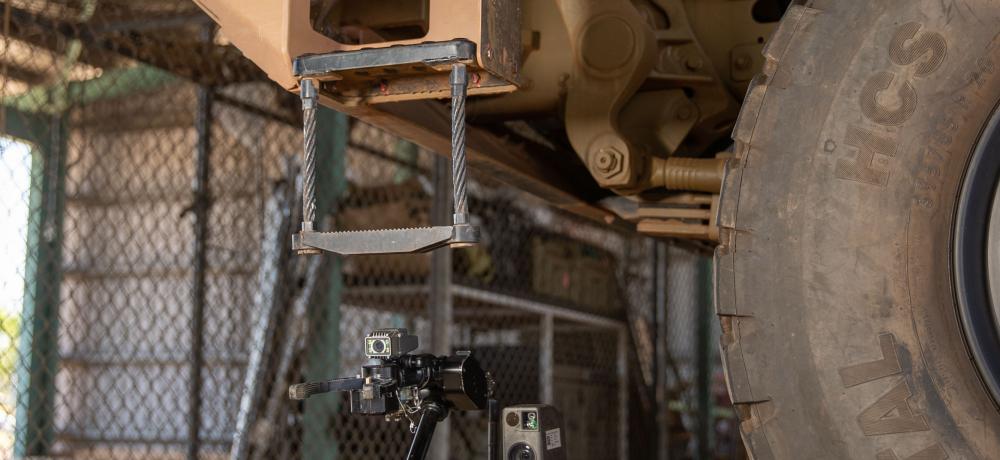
(749, 405)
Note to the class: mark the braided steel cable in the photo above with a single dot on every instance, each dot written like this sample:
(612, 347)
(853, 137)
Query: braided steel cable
(309, 154)
(459, 85)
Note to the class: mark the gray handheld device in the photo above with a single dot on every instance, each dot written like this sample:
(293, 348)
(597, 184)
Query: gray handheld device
(533, 432)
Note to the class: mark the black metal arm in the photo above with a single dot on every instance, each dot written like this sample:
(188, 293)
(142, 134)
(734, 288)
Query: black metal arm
(432, 414)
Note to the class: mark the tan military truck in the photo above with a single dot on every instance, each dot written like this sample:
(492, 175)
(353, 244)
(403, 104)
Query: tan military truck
(844, 161)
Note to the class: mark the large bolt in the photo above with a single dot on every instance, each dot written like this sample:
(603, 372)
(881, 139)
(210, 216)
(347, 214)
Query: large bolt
(742, 62)
(693, 63)
(608, 162)
(684, 112)
(607, 44)
(605, 161)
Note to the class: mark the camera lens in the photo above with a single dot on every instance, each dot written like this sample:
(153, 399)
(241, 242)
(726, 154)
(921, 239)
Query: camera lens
(378, 346)
(520, 451)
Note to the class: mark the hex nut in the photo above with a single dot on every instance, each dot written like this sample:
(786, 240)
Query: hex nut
(742, 62)
(608, 162)
(693, 63)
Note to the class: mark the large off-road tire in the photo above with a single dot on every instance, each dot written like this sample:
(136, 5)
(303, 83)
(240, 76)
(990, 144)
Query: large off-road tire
(835, 279)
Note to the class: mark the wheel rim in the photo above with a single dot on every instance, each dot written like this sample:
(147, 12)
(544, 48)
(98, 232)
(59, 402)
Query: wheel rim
(993, 260)
(977, 256)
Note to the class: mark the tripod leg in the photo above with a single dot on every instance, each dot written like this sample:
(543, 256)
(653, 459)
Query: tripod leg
(429, 418)
(492, 432)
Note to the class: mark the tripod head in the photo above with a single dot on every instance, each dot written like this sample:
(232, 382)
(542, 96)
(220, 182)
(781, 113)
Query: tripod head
(422, 388)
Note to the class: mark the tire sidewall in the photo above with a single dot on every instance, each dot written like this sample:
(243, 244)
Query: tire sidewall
(867, 259)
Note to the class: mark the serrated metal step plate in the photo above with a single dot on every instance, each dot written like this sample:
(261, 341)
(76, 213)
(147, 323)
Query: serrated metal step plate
(388, 241)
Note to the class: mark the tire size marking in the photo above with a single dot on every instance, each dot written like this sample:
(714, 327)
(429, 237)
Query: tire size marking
(866, 372)
(934, 452)
(862, 167)
(934, 155)
(922, 53)
(891, 413)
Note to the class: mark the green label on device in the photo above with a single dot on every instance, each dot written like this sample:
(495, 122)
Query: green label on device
(529, 420)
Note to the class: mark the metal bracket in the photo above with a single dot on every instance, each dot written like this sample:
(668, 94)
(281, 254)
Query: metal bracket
(330, 65)
(391, 241)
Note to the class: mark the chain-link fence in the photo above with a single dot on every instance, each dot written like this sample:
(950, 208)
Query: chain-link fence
(150, 306)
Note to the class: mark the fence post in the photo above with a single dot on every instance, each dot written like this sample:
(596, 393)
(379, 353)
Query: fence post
(38, 347)
(662, 349)
(705, 358)
(623, 383)
(440, 299)
(323, 348)
(200, 207)
(546, 360)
